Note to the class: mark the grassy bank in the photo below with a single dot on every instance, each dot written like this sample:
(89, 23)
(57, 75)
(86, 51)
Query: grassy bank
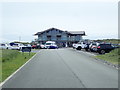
(113, 56)
(0, 66)
(12, 60)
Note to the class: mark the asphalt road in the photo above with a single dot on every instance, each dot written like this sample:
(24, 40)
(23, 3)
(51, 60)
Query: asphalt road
(64, 68)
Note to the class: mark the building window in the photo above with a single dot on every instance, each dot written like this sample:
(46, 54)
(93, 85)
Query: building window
(49, 38)
(58, 37)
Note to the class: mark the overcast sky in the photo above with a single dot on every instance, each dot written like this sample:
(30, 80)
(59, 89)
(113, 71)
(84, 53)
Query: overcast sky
(23, 19)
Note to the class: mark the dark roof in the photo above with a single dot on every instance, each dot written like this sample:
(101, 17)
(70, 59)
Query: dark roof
(37, 33)
(69, 32)
(48, 30)
(77, 32)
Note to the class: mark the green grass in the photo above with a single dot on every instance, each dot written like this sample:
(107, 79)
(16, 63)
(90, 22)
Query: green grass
(112, 57)
(9, 54)
(0, 66)
(12, 60)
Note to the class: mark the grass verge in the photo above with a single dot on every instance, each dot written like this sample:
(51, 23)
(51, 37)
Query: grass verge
(112, 57)
(0, 66)
(12, 60)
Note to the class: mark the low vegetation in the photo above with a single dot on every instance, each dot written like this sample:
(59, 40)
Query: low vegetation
(12, 60)
(114, 41)
(9, 54)
(21, 42)
(113, 56)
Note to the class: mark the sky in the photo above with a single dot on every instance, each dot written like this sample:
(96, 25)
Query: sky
(21, 20)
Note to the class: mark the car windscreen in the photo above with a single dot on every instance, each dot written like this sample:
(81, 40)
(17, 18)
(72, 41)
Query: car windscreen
(48, 43)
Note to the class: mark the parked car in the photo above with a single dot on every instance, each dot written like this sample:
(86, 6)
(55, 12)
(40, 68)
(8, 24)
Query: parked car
(15, 46)
(34, 46)
(3, 46)
(87, 46)
(73, 45)
(38, 46)
(9, 46)
(50, 45)
(115, 45)
(93, 46)
(79, 45)
(104, 48)
(42, 46)
(21, 45)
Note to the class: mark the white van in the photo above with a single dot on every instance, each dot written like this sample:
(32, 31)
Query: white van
(50, 45)
(16, 46)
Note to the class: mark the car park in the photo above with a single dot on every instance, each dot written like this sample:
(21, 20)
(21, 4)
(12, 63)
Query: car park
(50, 45)
(95, 46)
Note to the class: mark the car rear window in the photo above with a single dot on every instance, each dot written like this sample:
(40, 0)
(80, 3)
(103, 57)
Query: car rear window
(2, 44)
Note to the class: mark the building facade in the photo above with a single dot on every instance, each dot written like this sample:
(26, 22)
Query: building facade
(60, 37)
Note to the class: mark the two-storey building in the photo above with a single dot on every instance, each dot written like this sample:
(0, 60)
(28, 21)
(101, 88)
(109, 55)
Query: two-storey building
(60, 37)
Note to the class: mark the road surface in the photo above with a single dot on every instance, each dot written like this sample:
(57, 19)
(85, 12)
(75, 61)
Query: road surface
(64, 68)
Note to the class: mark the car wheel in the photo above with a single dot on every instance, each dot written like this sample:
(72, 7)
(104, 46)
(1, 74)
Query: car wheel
(79, 48)
(86, 49)
(91, 50)
(102, 52)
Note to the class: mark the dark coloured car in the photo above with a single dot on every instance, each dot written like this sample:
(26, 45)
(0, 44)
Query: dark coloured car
(86, 47)
(104, 48)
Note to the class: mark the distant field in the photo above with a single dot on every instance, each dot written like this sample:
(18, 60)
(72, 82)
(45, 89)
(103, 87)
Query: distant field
(113, 56)
(114, 41)
(12, 60)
